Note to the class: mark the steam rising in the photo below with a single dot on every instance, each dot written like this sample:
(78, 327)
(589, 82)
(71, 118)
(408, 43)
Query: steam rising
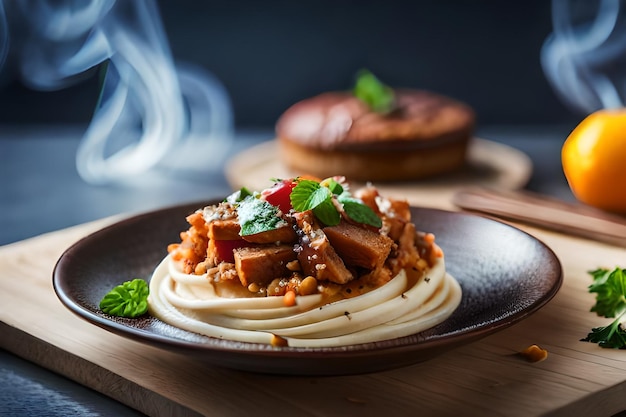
(585, 55)
(4, 35)
(150, 114)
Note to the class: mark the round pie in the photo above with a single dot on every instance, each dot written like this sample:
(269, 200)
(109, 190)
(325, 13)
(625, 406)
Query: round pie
(424, 135)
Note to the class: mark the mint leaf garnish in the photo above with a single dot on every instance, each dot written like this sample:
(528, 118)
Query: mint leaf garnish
(379, 97)
(311, 195)
(316, 196)
(129, 299)
(333, 185)
(256, 216)
(327, 213)
(306, 195)
(359, 212)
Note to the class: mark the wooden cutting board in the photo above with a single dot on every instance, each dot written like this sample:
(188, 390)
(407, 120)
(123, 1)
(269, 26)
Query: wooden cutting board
(483, 378)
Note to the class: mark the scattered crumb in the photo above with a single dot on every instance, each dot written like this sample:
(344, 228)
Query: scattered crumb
(278, 341)
(534, 353)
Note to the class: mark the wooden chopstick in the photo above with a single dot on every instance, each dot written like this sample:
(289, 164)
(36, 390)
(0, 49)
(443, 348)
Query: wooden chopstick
(535, 209)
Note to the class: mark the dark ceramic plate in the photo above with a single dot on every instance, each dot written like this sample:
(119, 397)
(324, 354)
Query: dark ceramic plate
(505, 274)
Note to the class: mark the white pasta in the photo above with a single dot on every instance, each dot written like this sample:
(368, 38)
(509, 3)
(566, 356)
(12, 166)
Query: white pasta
(393, 310)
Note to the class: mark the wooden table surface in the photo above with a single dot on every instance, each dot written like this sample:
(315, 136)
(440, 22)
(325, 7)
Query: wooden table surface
(483, 378)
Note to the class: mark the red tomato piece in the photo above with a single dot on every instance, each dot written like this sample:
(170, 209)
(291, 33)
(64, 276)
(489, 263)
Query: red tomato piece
(279, 195)
(224, 248)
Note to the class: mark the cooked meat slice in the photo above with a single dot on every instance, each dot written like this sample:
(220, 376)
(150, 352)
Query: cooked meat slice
(197, 220)
(230, 230)
(262, 264)
(406, 254)
(368, 195)
(359, 246)
(224, 229)
(284, 234)
(316, 255)
(396, 214)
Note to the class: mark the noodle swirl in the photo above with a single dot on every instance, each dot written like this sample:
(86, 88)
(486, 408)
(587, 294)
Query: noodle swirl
(398, 308)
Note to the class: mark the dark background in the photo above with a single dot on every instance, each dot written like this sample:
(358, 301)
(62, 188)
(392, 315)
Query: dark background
(270, 54)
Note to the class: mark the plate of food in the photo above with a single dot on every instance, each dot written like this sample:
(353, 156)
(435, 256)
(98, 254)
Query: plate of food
(307, 277)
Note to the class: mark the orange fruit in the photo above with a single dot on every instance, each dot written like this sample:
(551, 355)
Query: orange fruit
(594, 160)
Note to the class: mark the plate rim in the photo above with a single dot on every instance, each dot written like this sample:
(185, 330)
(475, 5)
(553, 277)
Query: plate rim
(247, 160)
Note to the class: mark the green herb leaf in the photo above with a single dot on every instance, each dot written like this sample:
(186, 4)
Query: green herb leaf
(610, 290)
(359, 212)
(379, 97)
(612, 336)
(333, 185)
(306, 195)
(311, 195)
(129, 299)
(238, 196)
(319, 197)
(256, 216)
(327, 213)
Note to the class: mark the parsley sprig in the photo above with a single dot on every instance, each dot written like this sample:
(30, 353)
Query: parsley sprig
(326, 197)
(129, 299)
(610, 289)
(379, 97)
